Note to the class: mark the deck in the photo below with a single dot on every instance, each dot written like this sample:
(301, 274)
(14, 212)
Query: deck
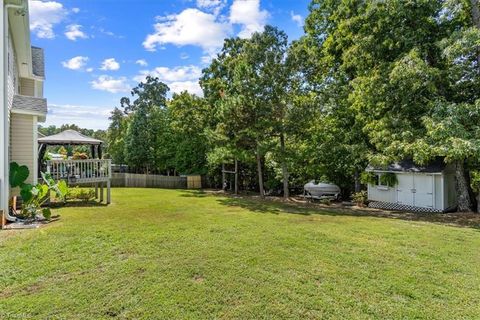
(76, 172)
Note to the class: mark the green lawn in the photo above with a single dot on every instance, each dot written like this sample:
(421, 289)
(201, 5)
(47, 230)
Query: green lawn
(157, 254)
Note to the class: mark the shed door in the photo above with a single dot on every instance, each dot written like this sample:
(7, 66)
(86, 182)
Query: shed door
(405, 189)
(423, 190)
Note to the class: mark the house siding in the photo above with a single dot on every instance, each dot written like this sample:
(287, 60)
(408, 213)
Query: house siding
(442, 194)
(12, 73)
(27, 87)
(23, 142)
(382, 194)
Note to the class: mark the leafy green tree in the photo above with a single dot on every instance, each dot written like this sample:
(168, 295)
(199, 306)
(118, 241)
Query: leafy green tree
(248, 83)
(405, 65)
(115, 136)
(141, 139)
(187, 121)
(225, 124)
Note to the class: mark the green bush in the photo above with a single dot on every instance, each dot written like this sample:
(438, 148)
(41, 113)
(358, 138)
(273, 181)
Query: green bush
(367, 177)
(83, 194)
(475, 181)
(360, 197)
(35, 196)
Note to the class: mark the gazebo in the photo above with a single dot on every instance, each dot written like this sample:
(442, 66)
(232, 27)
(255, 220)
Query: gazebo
(95, 171)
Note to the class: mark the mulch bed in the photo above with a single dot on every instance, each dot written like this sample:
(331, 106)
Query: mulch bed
(29, 224)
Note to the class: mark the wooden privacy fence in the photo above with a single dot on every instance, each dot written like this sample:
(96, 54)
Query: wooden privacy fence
(135, 180)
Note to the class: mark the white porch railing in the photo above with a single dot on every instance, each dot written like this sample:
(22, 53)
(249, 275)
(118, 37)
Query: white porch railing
(80, 171)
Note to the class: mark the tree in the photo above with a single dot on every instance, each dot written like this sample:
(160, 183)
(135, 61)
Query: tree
(141, 140)
(226, 124)
(187, 115)
(115, 136)
(248, 82)
(329, 142)
(405, 66)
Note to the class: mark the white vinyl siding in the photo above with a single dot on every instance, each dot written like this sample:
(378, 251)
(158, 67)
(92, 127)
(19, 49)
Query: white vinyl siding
(12, 77)
(424, 190)
(382, 193)
(27, 87)
(23, 142)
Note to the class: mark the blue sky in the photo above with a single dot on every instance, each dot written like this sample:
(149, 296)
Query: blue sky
(96, 50)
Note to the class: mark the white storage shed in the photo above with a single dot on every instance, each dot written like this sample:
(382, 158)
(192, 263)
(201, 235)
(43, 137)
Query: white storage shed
(429, 188)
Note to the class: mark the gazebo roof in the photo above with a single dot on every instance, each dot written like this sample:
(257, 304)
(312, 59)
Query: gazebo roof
(67, 137)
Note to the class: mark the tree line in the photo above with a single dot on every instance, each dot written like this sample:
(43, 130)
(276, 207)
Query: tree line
(368, 82)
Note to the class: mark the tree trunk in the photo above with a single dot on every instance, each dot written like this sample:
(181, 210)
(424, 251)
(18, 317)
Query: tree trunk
(286, 192)
(224, 178)
(260, 173)
(476, 22)
(463, 196)
(478, 202)
(358, 185)
(236, 176)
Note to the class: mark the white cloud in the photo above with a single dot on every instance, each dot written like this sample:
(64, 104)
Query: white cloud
(214, 6)
(190, 27)
(210, 3)
(184, 56)
(44, 15)
(178, 79)
(89, 69)
(91, 117)
(298, 19)
(74, 32)
(108, 33)
(248, 14)
(111, 84)
(76, 63)
(190, 86)
(166, 74)
(75, 10)
(110, 64)
(142, 62)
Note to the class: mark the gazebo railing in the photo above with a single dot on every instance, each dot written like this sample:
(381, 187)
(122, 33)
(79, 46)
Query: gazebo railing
(80, 171)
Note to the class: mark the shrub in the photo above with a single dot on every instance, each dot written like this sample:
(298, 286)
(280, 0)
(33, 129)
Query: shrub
(83, 194)
(368, 177)
(35, 196)
(360, 197)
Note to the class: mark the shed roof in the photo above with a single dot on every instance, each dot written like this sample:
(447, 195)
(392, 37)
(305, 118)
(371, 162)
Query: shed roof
(408, 165)
(69, 137)
(38, 62)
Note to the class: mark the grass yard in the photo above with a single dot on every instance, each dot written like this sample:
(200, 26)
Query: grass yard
(157, 254)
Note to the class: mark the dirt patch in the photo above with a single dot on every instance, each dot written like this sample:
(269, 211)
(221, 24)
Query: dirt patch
(198, 278)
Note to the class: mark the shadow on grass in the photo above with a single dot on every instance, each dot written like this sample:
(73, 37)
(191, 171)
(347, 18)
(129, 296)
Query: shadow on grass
(73, 203)
(268, 206)
(193, 194)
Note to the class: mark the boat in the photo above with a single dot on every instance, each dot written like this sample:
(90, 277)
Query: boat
(321, 190)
